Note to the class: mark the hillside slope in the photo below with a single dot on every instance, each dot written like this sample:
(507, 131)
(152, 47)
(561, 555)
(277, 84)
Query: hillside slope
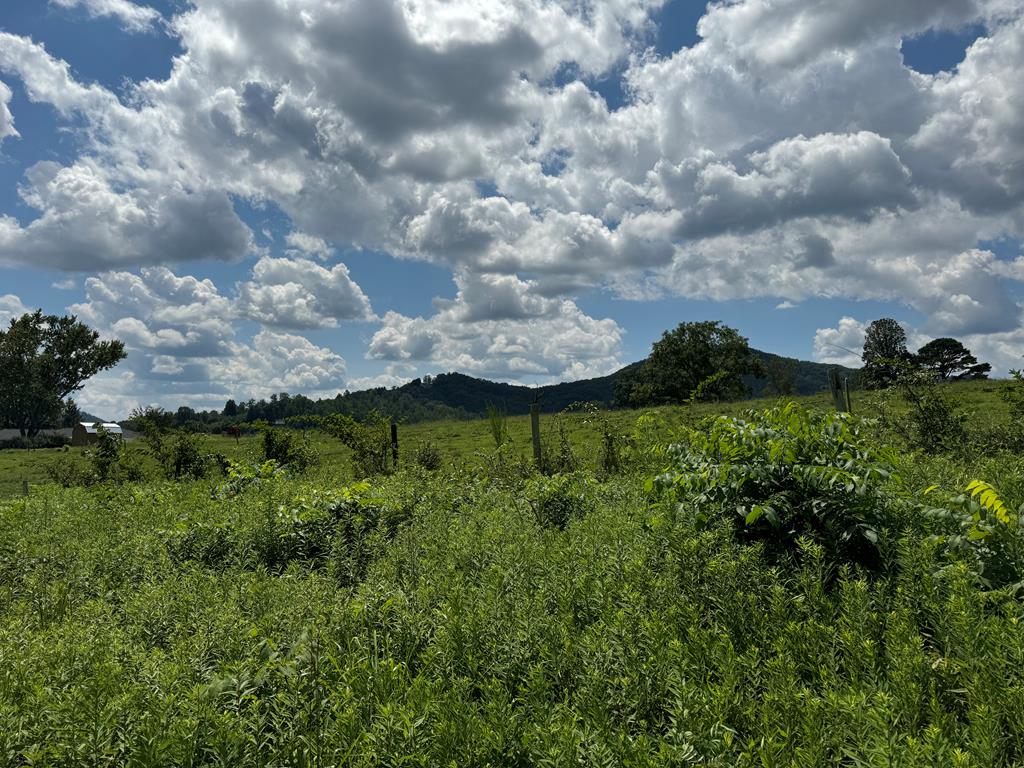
(459, 391)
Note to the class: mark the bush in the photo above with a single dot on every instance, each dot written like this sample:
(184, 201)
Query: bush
(332, 531)
(369, 441)
(428, 455)
(505, 467)
(179, 452)
(557, 455)
(284, 447)
(988, 530)
(558, 500)
(242, 475)
(32, 443)
(934, 423)
(68, 473)
(782, 474)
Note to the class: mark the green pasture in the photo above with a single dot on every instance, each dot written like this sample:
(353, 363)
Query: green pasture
(468, 443)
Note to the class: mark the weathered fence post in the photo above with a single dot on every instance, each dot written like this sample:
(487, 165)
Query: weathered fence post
(24, 487)
(846, 391)
(535, 429)
(840, 391)
(394, 445)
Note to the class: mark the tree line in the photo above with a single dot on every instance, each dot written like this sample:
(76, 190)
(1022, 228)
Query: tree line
(886, 358)
(45, 358)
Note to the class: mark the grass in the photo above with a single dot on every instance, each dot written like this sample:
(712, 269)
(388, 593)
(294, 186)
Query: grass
(484, 615)
(468, 442)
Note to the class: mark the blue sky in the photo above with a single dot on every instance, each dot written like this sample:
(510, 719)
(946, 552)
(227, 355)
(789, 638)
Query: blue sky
(303, 197)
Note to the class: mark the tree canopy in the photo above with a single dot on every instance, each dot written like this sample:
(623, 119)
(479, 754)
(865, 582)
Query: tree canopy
(43, 359)
(694, 354)
(885, 353)
(948, 359)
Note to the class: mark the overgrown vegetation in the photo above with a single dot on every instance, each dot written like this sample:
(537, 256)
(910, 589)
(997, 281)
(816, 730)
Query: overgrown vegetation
(781, 586)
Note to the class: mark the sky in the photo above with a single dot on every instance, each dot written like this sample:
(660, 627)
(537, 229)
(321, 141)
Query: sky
(310, 196)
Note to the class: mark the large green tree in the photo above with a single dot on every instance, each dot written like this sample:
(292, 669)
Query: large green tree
(43, 359)
(707, 355)
(948, 359)
(885, 353)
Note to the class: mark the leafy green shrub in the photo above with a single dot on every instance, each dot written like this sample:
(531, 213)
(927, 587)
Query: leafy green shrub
(1011, 435)
(428, 455)
(180, 453)
(497, 422)
(339, 531)
(68, 473)
(369, 441)
(185, 458)
(35, 442)
(988, 531)
(782, 474)
(613, 444)
(557, 455)
(241, 475)
(559, 499)
(286, 448)
(505, 467)
(212, 545)
(934, 423)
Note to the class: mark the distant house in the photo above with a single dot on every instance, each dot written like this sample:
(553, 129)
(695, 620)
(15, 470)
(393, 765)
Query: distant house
(84, 433)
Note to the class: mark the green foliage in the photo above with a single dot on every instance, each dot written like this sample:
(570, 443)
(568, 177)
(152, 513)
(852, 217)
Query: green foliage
(885, 354)
(682, 360)
(369, 441)
(557, 454)
(497, 422)
(782, 475)
(286, 448)
(243, 474)
(68, 473)
(948, 359)
(988, 532)
(781, 373)
(559, 499)
(108, 461)
(43, 359)
(1012, 394)
(428, 456)
(493, 616)
(181, 454)
(934, 422)
(33, 443)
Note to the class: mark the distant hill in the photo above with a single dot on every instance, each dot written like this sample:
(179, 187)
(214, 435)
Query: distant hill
(458, 396)
(461, 392)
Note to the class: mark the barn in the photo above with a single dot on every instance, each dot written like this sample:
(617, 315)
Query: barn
(84, 432)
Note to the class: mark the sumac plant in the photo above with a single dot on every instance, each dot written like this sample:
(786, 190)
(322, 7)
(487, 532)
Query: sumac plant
(780, 475)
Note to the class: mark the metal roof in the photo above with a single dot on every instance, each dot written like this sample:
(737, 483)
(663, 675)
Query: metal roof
(90, 427)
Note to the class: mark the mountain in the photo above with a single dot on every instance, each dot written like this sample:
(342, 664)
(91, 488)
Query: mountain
(458, 396)
(459, 391)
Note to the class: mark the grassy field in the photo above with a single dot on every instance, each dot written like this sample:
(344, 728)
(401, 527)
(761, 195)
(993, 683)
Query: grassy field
(798, 590)
(468, 442)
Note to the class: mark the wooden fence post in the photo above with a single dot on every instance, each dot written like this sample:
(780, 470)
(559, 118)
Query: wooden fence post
(840, 391)
(846, 391)
(394, 445)
(535, 429)
(24, 487)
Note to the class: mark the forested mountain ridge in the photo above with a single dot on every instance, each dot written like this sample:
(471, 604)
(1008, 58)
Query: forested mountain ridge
(458, 396)
(457, 390)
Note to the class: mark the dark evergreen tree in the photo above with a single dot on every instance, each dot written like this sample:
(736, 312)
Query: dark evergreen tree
(948, 359)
